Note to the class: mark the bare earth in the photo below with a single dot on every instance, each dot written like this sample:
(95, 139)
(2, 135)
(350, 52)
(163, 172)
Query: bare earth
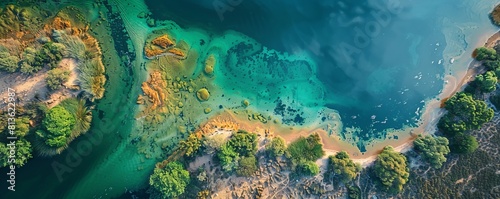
(27, 87)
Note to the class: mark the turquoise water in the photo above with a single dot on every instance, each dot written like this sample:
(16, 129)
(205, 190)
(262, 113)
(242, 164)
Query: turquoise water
(300, 47)
(379, 61)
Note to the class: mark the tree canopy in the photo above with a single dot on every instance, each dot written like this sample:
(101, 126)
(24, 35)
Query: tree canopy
(391, 169)
(433, 149)
(190, 145)
(57, 124)
(8, 62)
(306, 148)
(170, 181)
(50, 54)
(483, 53)
(276, 147)
(308, 168)
(247, 166)
(56, 77)
(23, 153)
(464, 113)
(244, 143)
(486, 82)
(340, 164)
(303, 153)
(464, 144)
(228, 157)
(241, 144)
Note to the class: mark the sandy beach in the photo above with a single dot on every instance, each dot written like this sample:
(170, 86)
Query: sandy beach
(332, 144)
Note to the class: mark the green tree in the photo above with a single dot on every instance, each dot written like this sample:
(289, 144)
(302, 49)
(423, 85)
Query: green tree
(191, 145)
(483, 53)
(309, 148)
(22, 153)
(464, 144)
(50, 54)
(354, 192)
(465, 110)
(170, 181)
(247, 166)
(486, 82)
(433, 149)
(276, 147)
(492, 65)
(228, 157)
(342, 165)
(56, 77)
(308, 168)
(244, 143)
(27, 64)
(8, 62)
(22, 126)
(391, 169)
(57, 124)
(451, 126)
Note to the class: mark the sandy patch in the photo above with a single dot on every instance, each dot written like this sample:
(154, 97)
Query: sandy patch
(28, 87)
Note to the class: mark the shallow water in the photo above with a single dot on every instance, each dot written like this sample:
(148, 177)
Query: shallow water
(310, 54)
(379, 61)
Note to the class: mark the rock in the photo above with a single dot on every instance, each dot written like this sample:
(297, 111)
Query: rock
(203, 94)
(151, 23)
(163, 41)
(207, 110)
(209, 65)
(245, 103)
(142, 15)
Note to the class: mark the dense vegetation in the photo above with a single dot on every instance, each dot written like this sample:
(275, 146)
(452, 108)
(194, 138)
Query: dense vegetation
(276, 147)
(57, 126)
(303, 153)
(170, 181)
(56, 77)
(433, 149)
(391, 169)
(23, 152)
(190, 145)
(341, 165)
(8, 62)
(238, 151)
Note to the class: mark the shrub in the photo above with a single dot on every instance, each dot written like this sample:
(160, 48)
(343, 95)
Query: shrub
(57, 126)
(8, 62)
(308, 168)
(483, 53)
(170, 181)
(74, 46)
(56, 77)
(342, 165)
(92, 78)
(433, 149)
(247, 166)
(276, 147)
(464, 144)
(391, 169)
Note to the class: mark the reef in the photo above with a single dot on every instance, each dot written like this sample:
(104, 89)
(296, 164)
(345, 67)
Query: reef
(203, 94)
(154, 88)
(164, 45)
(209, 65)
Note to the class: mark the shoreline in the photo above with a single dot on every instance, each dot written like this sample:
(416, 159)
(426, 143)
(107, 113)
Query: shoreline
(433, 112)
